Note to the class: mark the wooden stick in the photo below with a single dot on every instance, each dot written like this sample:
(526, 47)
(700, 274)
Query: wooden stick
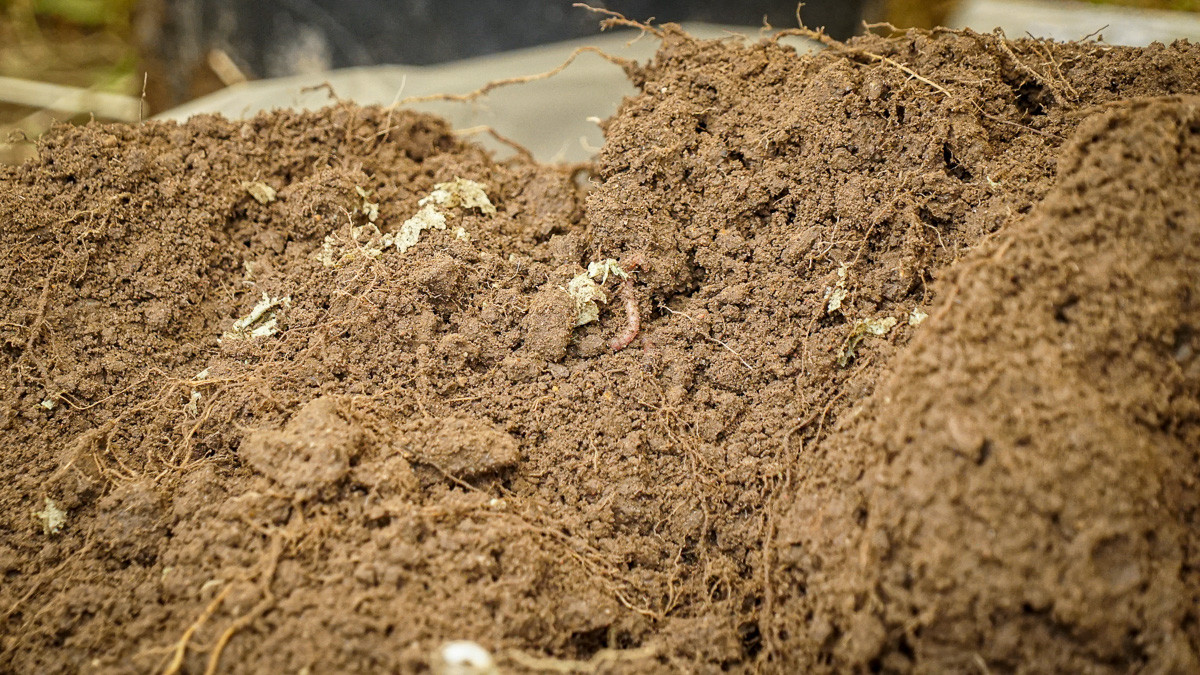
(74, 100)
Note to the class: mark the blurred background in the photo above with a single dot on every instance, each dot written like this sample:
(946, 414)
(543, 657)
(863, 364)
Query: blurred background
(127, 60)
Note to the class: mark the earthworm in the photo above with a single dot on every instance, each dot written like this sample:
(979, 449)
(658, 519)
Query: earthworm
(633, 315)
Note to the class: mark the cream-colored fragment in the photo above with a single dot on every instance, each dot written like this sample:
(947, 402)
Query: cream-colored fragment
(260, 322)
(193, 405)
(586, 293)
(410, 232)
(52, 517)
(262, 193)
(861, 329)
(460, 192)
(462, 657)
(878, 327)
(49, 404)
(604, 268)
(838, 293)
(916, 316)
(370, 209)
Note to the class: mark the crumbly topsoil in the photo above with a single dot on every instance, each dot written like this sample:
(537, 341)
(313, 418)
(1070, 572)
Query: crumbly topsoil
(915, 386)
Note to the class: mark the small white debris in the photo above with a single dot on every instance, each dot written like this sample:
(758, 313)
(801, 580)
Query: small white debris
(193, 405)
(836, 296)
(52, 517)
(604, 268)
(202, 375)
(460, 192)
(878, 327)
(260, 322)
(49, 404)
(838, 293)
(326, 256)
(370, 209)
(916, 316)
(586, 294)
(463, 657)
(262, 193)
(410, 232)
(861, 329)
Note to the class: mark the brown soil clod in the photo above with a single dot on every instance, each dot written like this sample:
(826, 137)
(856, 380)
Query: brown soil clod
(426, 443)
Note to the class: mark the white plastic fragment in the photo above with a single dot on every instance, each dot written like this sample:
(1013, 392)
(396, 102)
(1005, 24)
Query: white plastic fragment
(49, 404)
(604, 268)
(838, 293)
(52, 517)
(878, 327)
(260, 322)
(586, 294)
(463, 657)
(916, 316)
(262, 193)
(460, 192)
(861, 329)
(410, 232)
(370, 209)
(193, 405)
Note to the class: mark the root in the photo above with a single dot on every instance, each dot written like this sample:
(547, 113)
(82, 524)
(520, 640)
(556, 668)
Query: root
(618, 19)
(182, 645)
(496, 84)
(214, 657)
(837, 45)
(485, 129)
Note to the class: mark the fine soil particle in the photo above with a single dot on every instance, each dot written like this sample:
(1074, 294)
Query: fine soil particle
(396, 448)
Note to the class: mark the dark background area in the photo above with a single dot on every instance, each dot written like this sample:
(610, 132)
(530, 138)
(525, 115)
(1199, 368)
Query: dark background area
(273, 38)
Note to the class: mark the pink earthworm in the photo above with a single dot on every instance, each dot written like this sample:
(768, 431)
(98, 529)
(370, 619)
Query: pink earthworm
(633, 315)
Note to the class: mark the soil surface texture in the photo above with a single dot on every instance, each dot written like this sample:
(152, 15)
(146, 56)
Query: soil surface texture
(886, 359)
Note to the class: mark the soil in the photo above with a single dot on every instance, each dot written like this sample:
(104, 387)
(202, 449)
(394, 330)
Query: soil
(915, 384)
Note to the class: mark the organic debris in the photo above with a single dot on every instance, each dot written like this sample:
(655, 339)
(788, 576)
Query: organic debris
(460, 192)
(52, 517)
(586, 294)
(260, 322)
(862, 329)
(369, 208)
(838, 293)
(262, 193)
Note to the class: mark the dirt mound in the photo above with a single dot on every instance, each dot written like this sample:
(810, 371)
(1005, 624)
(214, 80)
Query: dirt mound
(321, 391)
(1021, 488)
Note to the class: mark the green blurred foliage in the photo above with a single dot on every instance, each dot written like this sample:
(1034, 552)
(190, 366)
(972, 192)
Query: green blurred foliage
(87, 13)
